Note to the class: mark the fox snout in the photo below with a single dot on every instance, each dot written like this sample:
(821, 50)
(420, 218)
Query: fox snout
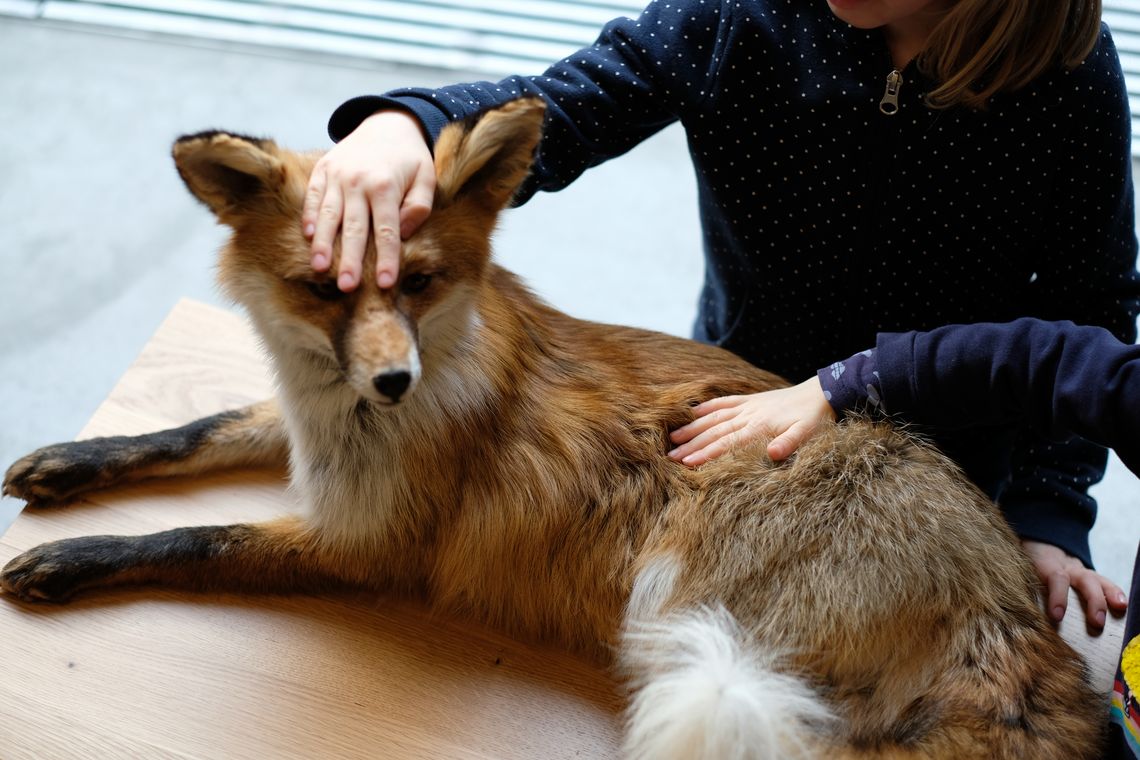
(380, 357)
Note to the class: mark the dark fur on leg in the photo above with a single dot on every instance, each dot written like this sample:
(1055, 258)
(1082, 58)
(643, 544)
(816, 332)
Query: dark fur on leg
(280, 556)
(58, 473)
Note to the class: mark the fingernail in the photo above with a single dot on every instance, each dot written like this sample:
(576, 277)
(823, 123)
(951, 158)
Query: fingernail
(1122, 599)
(385, 279)
(1058, 613)
(310, 229)
(345, 281)
(1100, 618)
(672, 454)
(320, 261)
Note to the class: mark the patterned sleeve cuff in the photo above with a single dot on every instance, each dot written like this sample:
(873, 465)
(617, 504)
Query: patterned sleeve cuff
(852, 385)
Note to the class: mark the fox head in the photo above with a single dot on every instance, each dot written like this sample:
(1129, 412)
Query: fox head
(377, 341)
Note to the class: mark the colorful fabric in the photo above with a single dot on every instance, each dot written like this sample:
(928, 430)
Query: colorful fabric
(1124, 729)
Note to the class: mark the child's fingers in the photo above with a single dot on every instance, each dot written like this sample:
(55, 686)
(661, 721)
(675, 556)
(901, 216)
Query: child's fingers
(418, 202)
(1088, 585)
(314, 194)
(710, 452)
(693, 429)
(1117, 599)
(353, 239)
(691, 446)
(784, 445)
(706, 438)
(716, 404)
(1057, 595)
(386, 232)
(702, 424)
(329, 216)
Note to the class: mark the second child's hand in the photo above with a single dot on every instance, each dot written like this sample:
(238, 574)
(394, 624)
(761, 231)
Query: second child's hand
(378, 179)
(787, 416)
(1058, 570)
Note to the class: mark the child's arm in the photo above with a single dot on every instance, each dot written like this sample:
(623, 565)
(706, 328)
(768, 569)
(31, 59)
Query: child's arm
(1054, 377)
(1057, 378)
(640, 76)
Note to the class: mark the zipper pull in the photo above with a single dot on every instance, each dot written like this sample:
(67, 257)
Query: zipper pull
(890, 102)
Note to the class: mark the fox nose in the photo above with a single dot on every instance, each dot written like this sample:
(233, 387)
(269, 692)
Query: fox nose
(393, 384)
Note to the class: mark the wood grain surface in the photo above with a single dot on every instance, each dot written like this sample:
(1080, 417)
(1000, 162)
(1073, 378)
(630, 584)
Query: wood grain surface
(156, 674)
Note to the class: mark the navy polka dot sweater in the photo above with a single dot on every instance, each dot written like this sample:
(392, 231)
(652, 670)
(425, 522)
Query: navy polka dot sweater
(827, 221)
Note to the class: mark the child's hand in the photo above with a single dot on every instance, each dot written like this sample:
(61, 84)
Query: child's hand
(381, 177)
(1058, 570)
(788, 416)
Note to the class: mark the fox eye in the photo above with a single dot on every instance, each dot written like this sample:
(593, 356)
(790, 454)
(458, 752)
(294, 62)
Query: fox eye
(326, 290)
(415, 283)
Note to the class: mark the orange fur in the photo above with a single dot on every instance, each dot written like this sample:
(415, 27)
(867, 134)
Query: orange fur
(860, 600)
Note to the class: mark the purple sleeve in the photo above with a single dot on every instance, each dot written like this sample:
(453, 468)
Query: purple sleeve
(1057, 378)
(852, 384)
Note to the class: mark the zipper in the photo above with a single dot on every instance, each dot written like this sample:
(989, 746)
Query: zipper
(890, 102)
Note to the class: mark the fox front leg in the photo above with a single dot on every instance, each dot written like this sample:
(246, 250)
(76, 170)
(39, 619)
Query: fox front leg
(279, 556)
(252, 436)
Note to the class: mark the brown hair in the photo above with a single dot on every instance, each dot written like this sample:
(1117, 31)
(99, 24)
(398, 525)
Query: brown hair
(985, 47)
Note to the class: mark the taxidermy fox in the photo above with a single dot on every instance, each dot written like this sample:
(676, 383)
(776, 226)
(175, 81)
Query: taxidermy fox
(457, 438)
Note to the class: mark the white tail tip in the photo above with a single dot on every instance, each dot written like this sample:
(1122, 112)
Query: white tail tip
(700, 694)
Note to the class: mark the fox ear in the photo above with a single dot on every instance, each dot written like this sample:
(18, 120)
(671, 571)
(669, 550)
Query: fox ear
(488, 156)
(228, 172)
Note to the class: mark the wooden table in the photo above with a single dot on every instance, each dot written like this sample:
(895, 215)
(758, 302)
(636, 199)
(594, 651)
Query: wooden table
(153, 674)
(156, 674)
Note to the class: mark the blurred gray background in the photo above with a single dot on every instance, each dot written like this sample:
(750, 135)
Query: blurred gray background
(100, 238)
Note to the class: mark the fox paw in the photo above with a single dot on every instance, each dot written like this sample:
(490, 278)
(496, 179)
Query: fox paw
(37, 576)
(56, 473)
(54, 571)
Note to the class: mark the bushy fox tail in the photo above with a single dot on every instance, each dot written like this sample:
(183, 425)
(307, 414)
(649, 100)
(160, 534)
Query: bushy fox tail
(701, 690)
(699, 693)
